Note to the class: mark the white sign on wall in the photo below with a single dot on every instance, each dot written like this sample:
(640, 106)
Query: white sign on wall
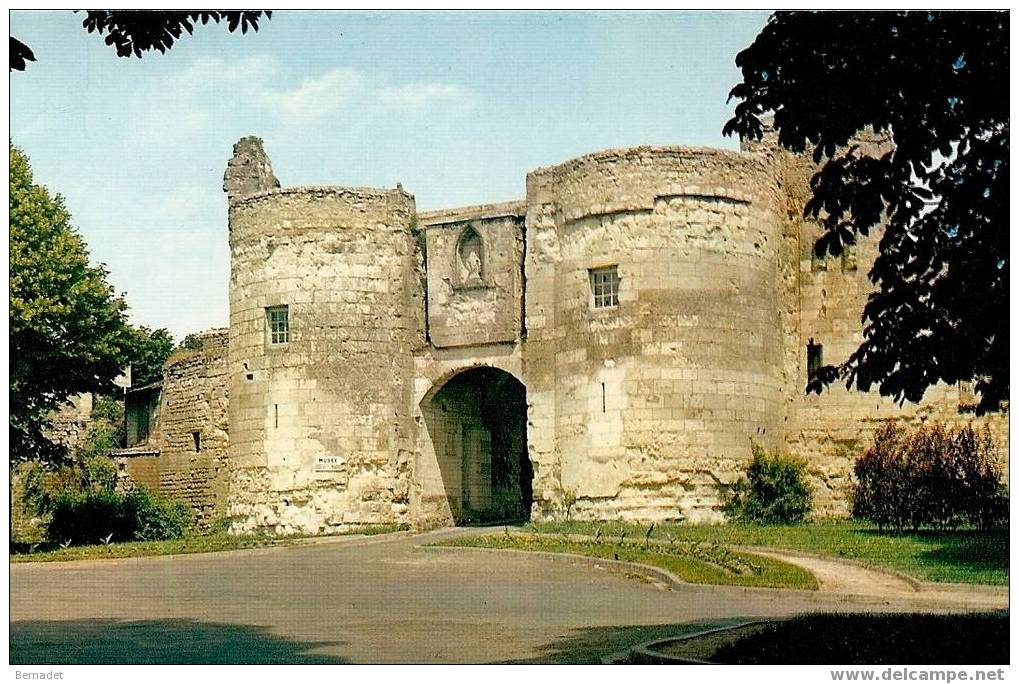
(328, 463)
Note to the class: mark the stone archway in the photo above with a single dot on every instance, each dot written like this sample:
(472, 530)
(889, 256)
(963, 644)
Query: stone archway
(477, 423)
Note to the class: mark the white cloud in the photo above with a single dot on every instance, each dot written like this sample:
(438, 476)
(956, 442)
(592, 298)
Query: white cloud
(320, 95)
(344, 88)
(418, 96)
(214, 71)
(195, 98)
(211, 88)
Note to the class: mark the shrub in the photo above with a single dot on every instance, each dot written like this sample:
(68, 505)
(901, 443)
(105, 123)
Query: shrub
(220, 525)
(93, 517)
(773, 491)
(933, 476)
(99, 474)
(88, 518)
(32, 496)
(156, 518)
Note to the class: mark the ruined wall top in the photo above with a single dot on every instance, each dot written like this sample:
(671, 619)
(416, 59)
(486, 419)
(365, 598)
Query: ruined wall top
(473, 213)
(638, 154)
(632, 179)
(211, 344)
(248, 171)
(337, 192)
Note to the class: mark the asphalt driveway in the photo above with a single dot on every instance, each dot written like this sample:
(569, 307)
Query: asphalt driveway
(373, 599)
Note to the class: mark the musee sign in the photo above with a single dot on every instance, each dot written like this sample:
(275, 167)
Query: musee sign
(328, 463)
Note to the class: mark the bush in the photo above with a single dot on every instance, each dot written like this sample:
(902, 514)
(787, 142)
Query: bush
(220, 525)
(157, 519)
(98, 474)
(95, 517)
(88, 518)
(774, 490)
(40, 485)
(934, 476)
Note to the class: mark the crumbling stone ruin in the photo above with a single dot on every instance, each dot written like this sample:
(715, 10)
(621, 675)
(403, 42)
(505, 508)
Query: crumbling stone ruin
(70, 423)
(611, 344)
(176, 430)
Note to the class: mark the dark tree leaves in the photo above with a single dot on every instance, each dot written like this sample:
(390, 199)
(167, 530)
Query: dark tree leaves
(934, 85)
(20, 54)
(134, 32)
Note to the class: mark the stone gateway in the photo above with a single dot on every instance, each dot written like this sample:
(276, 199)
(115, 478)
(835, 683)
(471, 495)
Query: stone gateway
(607, 347)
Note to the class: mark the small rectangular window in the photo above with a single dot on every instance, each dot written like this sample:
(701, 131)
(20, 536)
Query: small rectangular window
(604, 287)
(196, 437)
(815, 358)
(278, 320)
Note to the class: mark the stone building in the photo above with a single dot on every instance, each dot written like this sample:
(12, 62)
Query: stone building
(610, 344)
(175, 430)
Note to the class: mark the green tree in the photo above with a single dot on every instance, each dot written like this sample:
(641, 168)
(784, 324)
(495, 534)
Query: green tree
(149, 350)
(192, 342)
(105, 433)
(133, 32)
(68, 333)
(934, 84)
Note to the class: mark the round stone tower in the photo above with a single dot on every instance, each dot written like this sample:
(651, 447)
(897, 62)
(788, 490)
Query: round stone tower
(654, 348)
(323, 295)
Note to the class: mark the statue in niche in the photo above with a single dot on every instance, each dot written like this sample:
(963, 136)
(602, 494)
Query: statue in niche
(471, 265)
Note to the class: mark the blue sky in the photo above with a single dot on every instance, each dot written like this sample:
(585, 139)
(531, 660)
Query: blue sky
(455, 106)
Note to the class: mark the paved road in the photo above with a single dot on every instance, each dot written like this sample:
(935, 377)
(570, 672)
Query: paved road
(367, 600)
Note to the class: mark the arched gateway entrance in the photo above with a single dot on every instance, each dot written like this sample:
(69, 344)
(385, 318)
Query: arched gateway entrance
(477, 422)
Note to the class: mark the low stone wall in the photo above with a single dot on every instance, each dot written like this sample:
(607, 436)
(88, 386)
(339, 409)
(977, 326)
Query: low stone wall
(139, 469)
(192, 433)
(69, 423)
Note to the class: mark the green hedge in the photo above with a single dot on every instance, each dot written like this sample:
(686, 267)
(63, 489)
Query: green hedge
(99, 516)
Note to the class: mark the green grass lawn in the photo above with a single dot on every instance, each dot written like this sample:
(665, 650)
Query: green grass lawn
(700, 564)
(969, 556)
(191, 544)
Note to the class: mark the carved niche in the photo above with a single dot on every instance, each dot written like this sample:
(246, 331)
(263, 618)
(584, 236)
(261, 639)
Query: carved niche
(470, 259)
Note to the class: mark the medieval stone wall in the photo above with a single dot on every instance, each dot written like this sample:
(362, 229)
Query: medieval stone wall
(141, 470)
(636, 410)
(823, 305)
(483, 307)
(69, 424)
(642, 409)
(320, 426)
(191, 434)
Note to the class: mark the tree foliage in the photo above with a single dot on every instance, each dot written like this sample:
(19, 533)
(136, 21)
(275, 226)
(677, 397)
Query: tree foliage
(148, 351)
(192, 342)
(20, 55)
(934, 83)
(68, 333)
(134, 32)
